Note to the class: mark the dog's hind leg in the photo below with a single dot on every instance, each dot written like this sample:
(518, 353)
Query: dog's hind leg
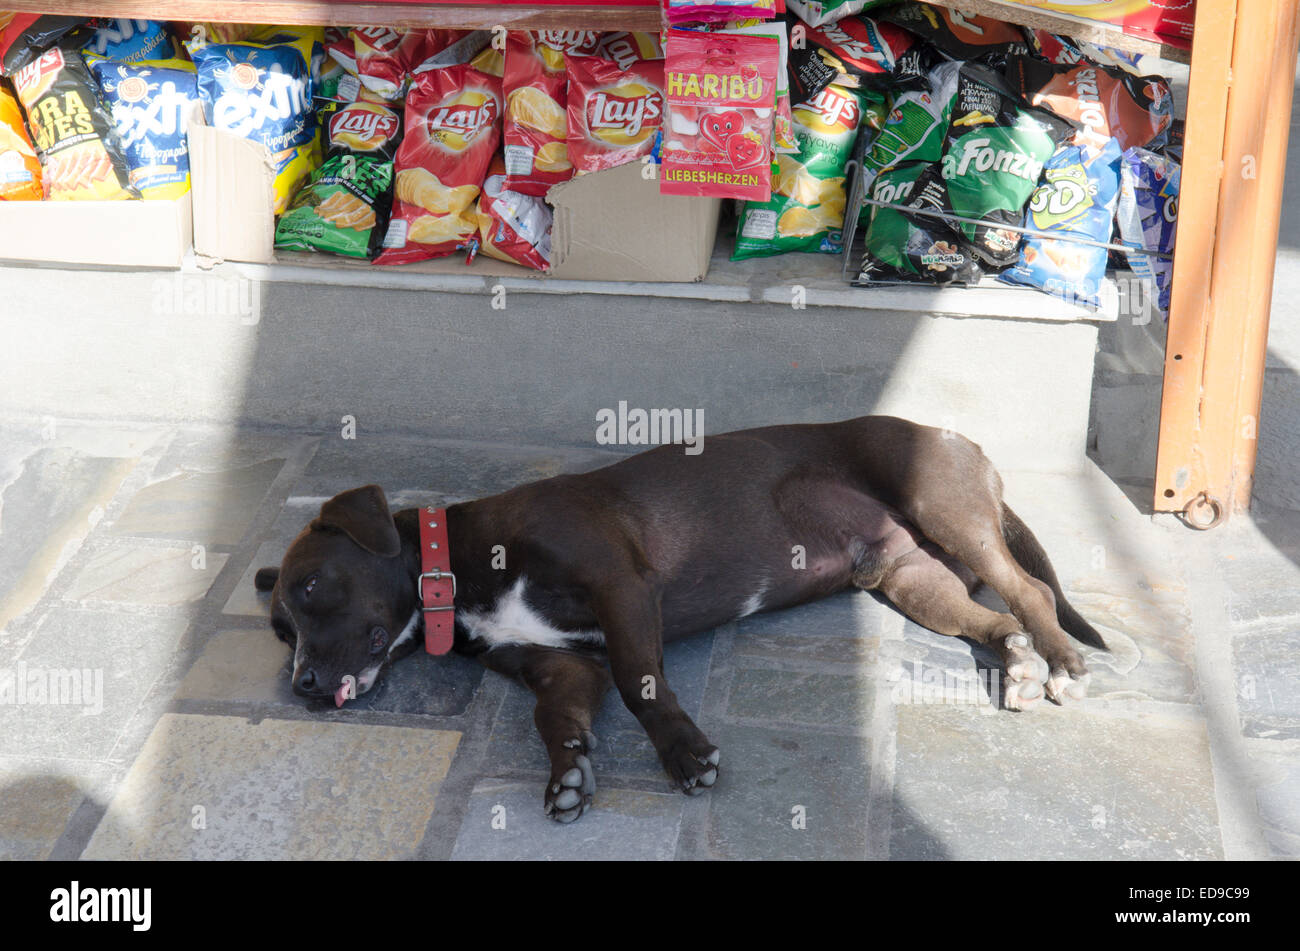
(569, 688)
(933, 589)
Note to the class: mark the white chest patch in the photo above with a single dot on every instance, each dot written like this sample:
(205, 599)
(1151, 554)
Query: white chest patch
(512, 621)
(754, 603)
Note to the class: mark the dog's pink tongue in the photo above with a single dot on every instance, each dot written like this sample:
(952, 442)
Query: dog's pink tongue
(340, 695)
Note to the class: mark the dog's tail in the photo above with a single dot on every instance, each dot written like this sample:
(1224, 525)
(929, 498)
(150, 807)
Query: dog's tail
(1026, 549)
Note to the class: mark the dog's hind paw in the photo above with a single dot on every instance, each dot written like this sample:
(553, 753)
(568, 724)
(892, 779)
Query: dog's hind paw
(1063, 685)
(1026, 673)
(569, 795)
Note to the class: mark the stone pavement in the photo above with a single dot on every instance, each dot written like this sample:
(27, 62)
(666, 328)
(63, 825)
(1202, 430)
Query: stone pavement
(126, 563)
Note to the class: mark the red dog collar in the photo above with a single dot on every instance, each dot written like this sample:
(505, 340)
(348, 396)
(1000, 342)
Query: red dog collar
(436, 585)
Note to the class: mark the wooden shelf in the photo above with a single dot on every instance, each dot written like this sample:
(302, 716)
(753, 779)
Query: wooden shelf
(404, 15)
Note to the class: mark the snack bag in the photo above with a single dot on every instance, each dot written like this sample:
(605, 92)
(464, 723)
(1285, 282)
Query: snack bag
(20, 169)
(513, 227)
(720, 89)
(384, 56)
(81, 154)
(536, 124)
(128, 41)
(151, 103)
(994, 153)
(806, 210)
(821, 12)
(344, 208)
(627, 48)
(915, 127)
(1147, 216)
(614, 114)
(960, 36)
(782, 123)
(912, 247)
(261, 89)
(856, 52)
(453, 125)
(24, 36)
(1105, 101)
(1077, 197)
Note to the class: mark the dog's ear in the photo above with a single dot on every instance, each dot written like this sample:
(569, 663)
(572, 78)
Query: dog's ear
(362, 514)
(265, 578)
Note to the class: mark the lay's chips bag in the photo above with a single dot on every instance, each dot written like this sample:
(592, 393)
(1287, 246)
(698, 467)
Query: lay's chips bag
(261, 89)
(806, 210)
(614, 113)
(344, 208)
(151, 104)
(453, 125)
(20, 169)
(81, 154)
(536, 126)
(513, 227)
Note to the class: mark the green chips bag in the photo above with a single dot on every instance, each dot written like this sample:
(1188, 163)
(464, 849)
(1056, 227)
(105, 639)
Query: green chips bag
(806, 210)
(910, 247)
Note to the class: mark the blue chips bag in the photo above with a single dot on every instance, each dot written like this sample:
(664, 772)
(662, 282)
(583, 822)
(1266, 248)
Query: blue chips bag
(1076, 197)
(1148, 217)
(261, 92)
(129, 41)
(151, 103)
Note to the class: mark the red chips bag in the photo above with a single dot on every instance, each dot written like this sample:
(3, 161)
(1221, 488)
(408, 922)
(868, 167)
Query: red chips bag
(721, 90)
(513, 227)
(613, 113)
(536, 125)
(453, 125)
(384, 56)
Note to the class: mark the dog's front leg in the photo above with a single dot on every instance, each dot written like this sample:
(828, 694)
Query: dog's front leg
(630, 617)
(569, 688)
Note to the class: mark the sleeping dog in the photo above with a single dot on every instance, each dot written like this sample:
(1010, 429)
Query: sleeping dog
(576, 582)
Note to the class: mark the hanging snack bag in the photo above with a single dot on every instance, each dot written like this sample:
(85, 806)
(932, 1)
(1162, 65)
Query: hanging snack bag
(994, 153)
(385, 56)
(806, 210)
(513, 227)
(901, 246)
(1076, 198)
(818, 13)
(1105, 101)
(344, 208)
(81, 155)
(960, 36)
(24, 36)
(129, 41)
(151, 103)
(614, 114)
(856, 52)
(261, 90)
(536, 126)
(20, 168)
(721, 91)
(453, 125)
(1147, 216)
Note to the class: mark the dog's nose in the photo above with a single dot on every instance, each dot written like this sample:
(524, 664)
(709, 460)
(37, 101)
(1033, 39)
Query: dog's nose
(305, 682)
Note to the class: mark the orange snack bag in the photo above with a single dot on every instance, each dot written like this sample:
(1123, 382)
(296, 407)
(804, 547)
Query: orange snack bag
(20, 169)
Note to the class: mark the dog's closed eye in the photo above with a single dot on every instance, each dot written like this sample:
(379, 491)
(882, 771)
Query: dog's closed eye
(309, 584)
(378, 639)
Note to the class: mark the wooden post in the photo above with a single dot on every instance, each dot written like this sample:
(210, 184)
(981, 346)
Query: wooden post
(1238, 120)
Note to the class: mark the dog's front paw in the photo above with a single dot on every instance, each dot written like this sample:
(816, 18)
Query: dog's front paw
(692, 765)
(573, 782)
(1026, 672)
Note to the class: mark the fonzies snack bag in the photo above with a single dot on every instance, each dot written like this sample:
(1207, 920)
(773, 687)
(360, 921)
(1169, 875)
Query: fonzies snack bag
(20, 169)
(614, 113)
(344, 208)
(513, 227)
(535, 126)
(453, 124)
(994, 153)
(81, 154)
(913, 247)
(721, 91)
(151, 103)
(806, 210)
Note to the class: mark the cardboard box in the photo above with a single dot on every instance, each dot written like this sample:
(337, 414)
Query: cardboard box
(142, 234)
(611, 225)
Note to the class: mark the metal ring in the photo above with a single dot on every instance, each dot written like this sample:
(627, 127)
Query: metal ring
(1202, 501)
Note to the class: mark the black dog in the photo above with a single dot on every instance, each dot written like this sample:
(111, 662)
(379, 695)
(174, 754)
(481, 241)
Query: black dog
(558, 577)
